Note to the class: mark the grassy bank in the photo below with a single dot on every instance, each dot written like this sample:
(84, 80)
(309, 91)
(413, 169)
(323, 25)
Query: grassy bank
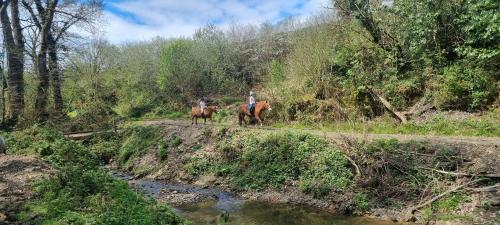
(486, 125)
(351, 176)
(355, 177)
(80, 192)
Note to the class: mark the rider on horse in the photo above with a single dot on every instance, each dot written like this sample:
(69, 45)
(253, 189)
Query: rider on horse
(251, 103)
(203, 105)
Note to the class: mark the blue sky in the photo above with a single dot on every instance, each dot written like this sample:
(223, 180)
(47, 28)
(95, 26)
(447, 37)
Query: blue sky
(135, 20)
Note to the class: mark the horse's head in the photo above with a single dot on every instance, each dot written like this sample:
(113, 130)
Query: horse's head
(213, 108)
(267, 105)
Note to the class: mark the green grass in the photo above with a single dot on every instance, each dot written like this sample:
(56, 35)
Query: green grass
(163, 115)
(136, 141)
(484, 126)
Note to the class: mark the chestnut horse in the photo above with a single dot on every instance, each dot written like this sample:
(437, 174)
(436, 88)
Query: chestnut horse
(257, 113)
(207, 113)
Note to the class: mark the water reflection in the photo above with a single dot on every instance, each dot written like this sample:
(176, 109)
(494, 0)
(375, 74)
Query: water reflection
(259, 213)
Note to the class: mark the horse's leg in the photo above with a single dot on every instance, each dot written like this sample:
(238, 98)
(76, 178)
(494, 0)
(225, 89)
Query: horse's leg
(258, 119)
(204, 120)
(196, 120)
(240, 118)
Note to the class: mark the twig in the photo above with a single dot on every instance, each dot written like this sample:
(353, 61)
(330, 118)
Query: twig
(430, 201)
(491, 188)
(462, 174)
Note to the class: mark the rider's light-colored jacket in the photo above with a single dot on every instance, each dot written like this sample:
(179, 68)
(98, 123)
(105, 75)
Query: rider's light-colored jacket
(203, 105)
(251, 100)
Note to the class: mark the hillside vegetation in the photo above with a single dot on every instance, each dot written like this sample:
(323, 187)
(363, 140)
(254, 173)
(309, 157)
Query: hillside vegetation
(356, 61)
(439, 55)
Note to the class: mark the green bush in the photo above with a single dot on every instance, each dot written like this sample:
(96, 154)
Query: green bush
(51, 146)
(175, 141)
(105, 146)
(328, 172)
(220, 116)
(466, 88)
(76, 196)
(197, 166)
(361, 202)
(162, 150)
(273, 160)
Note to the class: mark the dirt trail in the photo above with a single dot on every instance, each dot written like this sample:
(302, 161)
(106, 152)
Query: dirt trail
(453, 140)
(16, 176)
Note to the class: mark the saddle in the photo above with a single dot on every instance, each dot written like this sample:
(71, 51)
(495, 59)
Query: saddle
(202, 113)
(251, 110)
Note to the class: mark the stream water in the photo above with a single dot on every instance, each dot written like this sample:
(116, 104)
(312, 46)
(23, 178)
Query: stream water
(229, 209)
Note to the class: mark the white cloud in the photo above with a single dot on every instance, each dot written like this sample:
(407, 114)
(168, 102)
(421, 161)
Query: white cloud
(143, 20)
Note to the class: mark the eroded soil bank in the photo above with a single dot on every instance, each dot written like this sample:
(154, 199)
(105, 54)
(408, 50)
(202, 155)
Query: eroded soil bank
(406, 173)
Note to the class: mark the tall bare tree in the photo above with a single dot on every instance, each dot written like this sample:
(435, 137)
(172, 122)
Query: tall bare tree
(66, 14)
(14, 46)
(46, 14)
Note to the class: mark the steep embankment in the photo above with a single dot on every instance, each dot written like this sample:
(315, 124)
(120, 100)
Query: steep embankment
(418, 178)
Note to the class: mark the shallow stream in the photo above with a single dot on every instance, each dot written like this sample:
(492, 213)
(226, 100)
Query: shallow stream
(226, 208)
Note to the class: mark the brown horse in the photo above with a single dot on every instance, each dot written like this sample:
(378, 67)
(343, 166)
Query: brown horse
(207, 113)
(257, 113)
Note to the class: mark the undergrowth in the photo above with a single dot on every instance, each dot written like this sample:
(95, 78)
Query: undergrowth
(274, 160)
(81, 192)
(437, 125)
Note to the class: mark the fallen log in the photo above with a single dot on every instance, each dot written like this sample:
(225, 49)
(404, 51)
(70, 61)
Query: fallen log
(399, 116)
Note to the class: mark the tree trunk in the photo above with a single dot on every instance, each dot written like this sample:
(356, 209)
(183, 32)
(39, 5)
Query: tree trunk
(14, 45)
(55, 74)
(43, 85)
(43, 72)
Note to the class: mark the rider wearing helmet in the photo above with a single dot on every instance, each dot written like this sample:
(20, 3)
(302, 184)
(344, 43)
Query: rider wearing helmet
(251, 103)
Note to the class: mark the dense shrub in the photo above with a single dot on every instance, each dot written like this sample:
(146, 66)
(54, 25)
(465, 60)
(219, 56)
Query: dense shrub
(467, 88)
(328, 171)
(263, 161)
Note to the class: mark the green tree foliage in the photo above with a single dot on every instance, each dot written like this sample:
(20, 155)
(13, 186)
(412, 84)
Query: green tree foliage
(428, 28)
(466, 88)
(480, 25)
(178, 70)
(410, 52)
